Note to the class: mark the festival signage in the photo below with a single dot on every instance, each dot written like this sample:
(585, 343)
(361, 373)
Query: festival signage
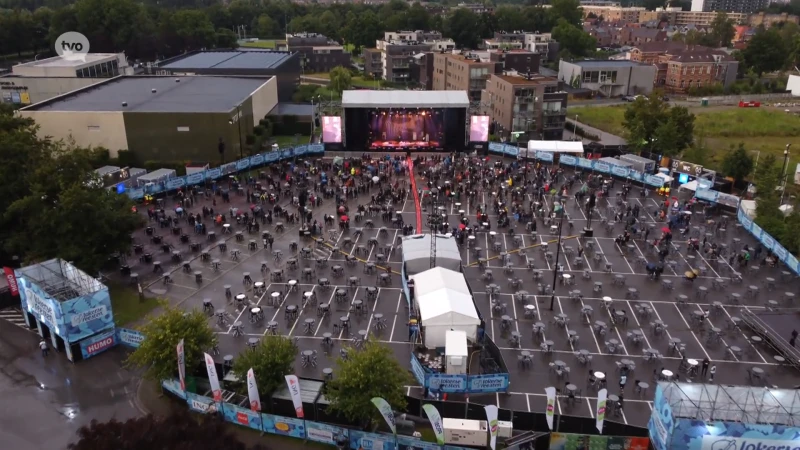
(131, 338)
(570, 441)
(285, 426)
(11, 279)
(497, 382)
(174, 387)
(327, 434)
(97, 344)
(360, 440)
(294, 390)
(201, 403)
(38, 303)
(87, 315)
(241, 416)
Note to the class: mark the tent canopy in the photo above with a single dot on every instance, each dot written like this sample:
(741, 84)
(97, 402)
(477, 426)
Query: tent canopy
(417, 253)
(665, 177)
(691, 186)
(749, 208)
(443, 298)
(556, 146)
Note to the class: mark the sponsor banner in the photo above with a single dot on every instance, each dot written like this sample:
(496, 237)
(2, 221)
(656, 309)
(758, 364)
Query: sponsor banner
(87, 315)
(176, 183)
(408, 442)
(767, 240)
(619, 171)
(241, 416)
(228, 169)
(601, 409)
(488, 383)
(635, 175)
(569, 441)
(602, 167)
(98, 344)
(746, 443)
(182, 364)
(252, 391)
(447, 383)
(585, 163)
(213, 174)
(131, 338)
(653, 180)
(285, 426)
(706, 194)
(316, 148)
(327, 434)
(256, 160)
(213, 379)
(436, 421)
(272, 157)
(201, 403)
(568, 160)
(174, 386)
(196, 178)
(300, 150)
(386, 411)
(242, 164)
(496, 147)
(40, 306)
(545, 156)
(11, 279)
(491, 419)
(286, 154)
(551, 406)
(360, 440)
(511, 150)
(417, 370)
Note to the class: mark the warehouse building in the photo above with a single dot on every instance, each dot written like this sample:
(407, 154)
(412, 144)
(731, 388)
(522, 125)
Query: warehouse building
(161, 118)
(285, 66)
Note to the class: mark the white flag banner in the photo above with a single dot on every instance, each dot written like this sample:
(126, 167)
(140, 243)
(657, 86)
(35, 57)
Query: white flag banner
(181, 365)
(294, 391)
(551, 406)
(213, 379)
(252, 391)
(491, 418)
(436, 422)
(386, 411)
(601, 409)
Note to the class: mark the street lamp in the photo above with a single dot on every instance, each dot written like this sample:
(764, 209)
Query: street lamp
(783, 174)
(558, 254)
(575, 129)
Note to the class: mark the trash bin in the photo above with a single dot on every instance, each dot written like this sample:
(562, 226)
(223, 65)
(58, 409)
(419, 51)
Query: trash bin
(704, 102)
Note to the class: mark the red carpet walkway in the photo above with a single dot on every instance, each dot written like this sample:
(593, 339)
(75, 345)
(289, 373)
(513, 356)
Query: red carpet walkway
(417, 206)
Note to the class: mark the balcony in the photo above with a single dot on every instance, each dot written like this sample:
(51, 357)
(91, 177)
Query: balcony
(555, 112)
(553, 125)
(524, 99)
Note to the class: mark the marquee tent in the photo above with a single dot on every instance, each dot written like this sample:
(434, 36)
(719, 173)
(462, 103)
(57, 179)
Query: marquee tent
(444, 303)
(417, 253)
(556, 146)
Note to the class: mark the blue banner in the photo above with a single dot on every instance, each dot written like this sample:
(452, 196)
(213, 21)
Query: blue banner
(496, 147)
(327, 434)
(620, 171)
(201, 404)
(131, 338)
(300, 150)
(545, 156)
(87, 315)
(256, 160)
(635, 175)
(585, 163)
(241, 416)
(285, 426)
(213, 174)
(38, 303)
(408, 442)
(97, 344)
(602, 166)
(488, 383)
(654, 180)
(416, 369)
(174, 386)
(242, 164)
(511, 150)
(361, 440)
(447, 383)
(195, 178)
(176, 183)
(316, 149)
(769, 242)
(568, 160)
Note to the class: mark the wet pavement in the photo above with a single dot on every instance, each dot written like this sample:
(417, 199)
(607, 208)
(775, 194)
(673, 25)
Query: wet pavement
(46, 400)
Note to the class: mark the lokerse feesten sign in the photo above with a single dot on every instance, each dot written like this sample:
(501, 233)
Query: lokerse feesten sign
(746, 443)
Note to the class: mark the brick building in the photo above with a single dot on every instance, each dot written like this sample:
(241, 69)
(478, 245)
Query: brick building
(462, 72)
(318, 53)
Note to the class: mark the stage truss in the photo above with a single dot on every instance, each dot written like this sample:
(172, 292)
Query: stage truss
(745, 404)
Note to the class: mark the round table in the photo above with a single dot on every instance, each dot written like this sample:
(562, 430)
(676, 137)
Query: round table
(560, 363)
(240, 297)
(252, 342)
(276, 296)
(600, 375)
(600, 323)
(566, 277)
(571, 387)
(779, 359)
(258, 284)
(255, 310)
(692, 362)
(583, 352)
(757, 370)
(530, 308)
(756, 339)
(667, 374)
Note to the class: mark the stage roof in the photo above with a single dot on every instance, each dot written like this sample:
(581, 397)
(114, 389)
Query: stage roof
(405, 99)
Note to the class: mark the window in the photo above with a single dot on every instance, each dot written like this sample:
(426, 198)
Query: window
(708, 69)
(93, 128)
(682, 81)
(183, 129)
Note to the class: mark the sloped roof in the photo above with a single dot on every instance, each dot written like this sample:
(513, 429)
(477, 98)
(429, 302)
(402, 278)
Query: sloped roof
(440, 292)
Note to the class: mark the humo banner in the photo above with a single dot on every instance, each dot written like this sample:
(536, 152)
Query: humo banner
(226, 169)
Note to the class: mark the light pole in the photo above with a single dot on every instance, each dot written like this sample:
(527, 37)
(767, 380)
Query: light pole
(575, 129)
(558, 254)
(785, 167)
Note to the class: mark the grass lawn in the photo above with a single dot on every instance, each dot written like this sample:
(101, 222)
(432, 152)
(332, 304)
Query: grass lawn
(358, 81)
(288, 141)
(264, 43)
(126, 305)
(766, 130)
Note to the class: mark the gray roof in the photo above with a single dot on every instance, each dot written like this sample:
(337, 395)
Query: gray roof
(191, 94)
(417, 253)
(265, 59)
(292, 109)
(405, 99)
(607, 63)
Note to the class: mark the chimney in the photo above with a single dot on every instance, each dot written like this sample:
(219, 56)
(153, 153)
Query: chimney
(124, 104)
(153, 91)
(177, 80)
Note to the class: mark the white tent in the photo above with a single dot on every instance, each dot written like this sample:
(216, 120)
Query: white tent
(556, 146)
(667, 179)
(691, 186)
(444, 303)
(749, 208)
(417, 253)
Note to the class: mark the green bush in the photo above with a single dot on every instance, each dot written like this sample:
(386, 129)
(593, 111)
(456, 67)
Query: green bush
(250, 139)
(258, 130)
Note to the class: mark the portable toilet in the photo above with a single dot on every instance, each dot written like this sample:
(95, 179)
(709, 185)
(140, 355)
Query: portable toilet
(456, 352)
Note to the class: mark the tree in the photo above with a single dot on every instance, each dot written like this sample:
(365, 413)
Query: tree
(370, 372)
(463, 27)
(179, 431)
(573, 39)
(266, 27)
(722, 30)
(766, 52)
(737, 163)
(226, 39)
(568, 10)
(653, 125)
(271, 360)
(340, 79)
(157, 353)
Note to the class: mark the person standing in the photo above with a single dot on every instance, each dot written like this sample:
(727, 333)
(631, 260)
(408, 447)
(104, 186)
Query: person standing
(713, 372)
(704, 370)
(43, 346)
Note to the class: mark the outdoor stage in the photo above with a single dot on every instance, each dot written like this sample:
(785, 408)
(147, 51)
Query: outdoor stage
(405, 120)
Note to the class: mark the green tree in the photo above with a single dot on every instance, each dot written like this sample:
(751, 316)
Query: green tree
(722, 30)
(266, 27)
(737, 163)
(370, 372)
(194, 29)
(271, 360)
(226, 39)
(463, 26)
(766, 52)
(573, 39)
(568, 10)
(340, 79)
(651, 124)
(158, 355)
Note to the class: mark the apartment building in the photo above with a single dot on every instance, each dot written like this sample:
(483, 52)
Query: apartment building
(543, 44)
(422, 70)
(373, 67)
(462, 72)
(696, 67)
(495, 44)
(611, 78)
(392, 57)
(737, 6)
(533, 104)
(674, 16)
(521, 61)
(318, 52)
(768, 20)
(614, 13)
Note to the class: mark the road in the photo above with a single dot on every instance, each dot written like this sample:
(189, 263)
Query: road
(46, 400)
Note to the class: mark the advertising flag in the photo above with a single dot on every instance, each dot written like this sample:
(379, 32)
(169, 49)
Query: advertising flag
(181, 365)
(386, 411)
(212, 378)
(294, 390)
(252, 391)
(551, 406)
(601, 409)
(436, 422)
(12, 281)
(491, 417)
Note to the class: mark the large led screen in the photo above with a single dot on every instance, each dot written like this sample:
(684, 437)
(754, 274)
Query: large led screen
(479, 129)
(332, 129)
